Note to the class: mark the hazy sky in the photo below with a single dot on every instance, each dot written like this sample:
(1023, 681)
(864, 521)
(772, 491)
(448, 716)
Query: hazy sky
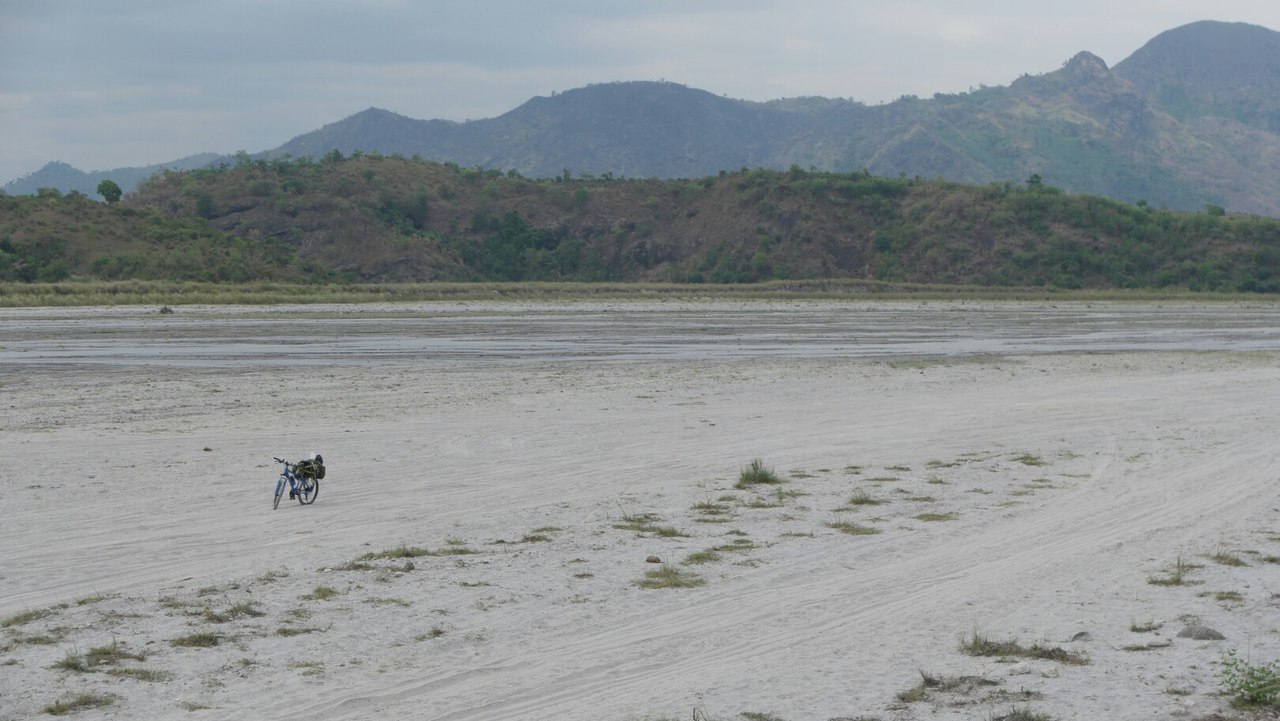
(102, 84)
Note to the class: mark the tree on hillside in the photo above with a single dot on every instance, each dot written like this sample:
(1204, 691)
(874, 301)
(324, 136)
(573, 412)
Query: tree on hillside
(110, 191)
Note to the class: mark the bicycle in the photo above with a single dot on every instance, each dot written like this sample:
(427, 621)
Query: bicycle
(301, 486)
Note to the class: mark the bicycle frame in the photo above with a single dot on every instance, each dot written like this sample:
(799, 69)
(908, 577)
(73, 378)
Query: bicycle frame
(304, 490)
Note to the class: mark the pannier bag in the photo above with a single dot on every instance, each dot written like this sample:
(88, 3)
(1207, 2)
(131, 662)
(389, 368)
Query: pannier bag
(311, 468)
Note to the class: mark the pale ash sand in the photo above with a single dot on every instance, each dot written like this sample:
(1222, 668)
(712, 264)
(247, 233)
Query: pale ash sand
(1073, 479)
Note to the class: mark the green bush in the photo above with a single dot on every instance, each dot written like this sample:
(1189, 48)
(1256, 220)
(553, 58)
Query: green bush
(1252, 684)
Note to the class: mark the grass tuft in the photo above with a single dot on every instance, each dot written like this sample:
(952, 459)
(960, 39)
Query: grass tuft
(979, 645)
(320, 593)
(80, 702)
(756, 473)
(196, 640)
(936, 517)
(1177, 574)
(22, 617)
(852, 528)
(670, 577)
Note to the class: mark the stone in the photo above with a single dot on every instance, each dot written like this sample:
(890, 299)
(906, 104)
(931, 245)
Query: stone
(1200, 633)
(653, 559)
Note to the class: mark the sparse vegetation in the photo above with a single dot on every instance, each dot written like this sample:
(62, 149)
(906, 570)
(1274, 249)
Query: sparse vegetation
(862, 498)
(111, 654)
(288, 631)
(708, 555)
(851, 528)
(978, 644)
(236, 610)
(320, 593)
(756, 473)
(670, 577)
(411, 552)
(23, 617)
(434, 632)
(1227, 558)
(79, 702)
(1251, 684)
(1177, 574)
(196, 640)
(141, 674)
(936, 517)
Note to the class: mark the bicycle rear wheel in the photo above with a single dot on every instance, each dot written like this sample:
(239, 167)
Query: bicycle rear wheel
(279, 492)
(308, 489)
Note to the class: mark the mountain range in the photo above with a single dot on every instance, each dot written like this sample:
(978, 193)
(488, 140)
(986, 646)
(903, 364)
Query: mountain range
(1190, 119)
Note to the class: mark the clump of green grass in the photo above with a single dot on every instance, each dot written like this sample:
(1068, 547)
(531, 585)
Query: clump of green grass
(851, 528)
(1233, 596)
(930, 682)
(861, 498)
(978, 644)
(112, 654)
(23, 617)
(737, 545)
(414, 552)
(762, 502)
(141, 674)
(670, 577)
(79, 702)
(756, 473)
(708, 555)
(936, 517)
(1029, 459)
(388, 602)
(434, 632)
(242, 608)
(290, 631)
(177, 603)
(196, 640)
(309, 668)
(1227, 558)
(711, 508)
(1177, 574)
(638, 522)
(95, 598)
(72, 662)
(320, 593)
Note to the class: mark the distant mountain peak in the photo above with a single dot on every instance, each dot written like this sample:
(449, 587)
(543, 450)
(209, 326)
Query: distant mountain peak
(1085, 63)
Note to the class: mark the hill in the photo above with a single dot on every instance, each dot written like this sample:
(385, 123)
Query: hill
(66, 179)
(51, 237)
(376, 218)
(1190, 119)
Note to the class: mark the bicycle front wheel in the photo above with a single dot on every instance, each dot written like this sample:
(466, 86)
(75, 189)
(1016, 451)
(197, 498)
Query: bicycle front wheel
(308, 489)
(279, 492)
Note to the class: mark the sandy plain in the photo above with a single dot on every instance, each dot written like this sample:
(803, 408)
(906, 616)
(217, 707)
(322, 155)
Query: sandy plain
(1033, 468)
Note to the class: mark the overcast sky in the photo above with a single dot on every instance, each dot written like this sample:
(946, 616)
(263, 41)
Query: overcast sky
(102, 84)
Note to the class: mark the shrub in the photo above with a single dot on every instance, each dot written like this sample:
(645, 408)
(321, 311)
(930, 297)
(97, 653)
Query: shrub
(1252, 684)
